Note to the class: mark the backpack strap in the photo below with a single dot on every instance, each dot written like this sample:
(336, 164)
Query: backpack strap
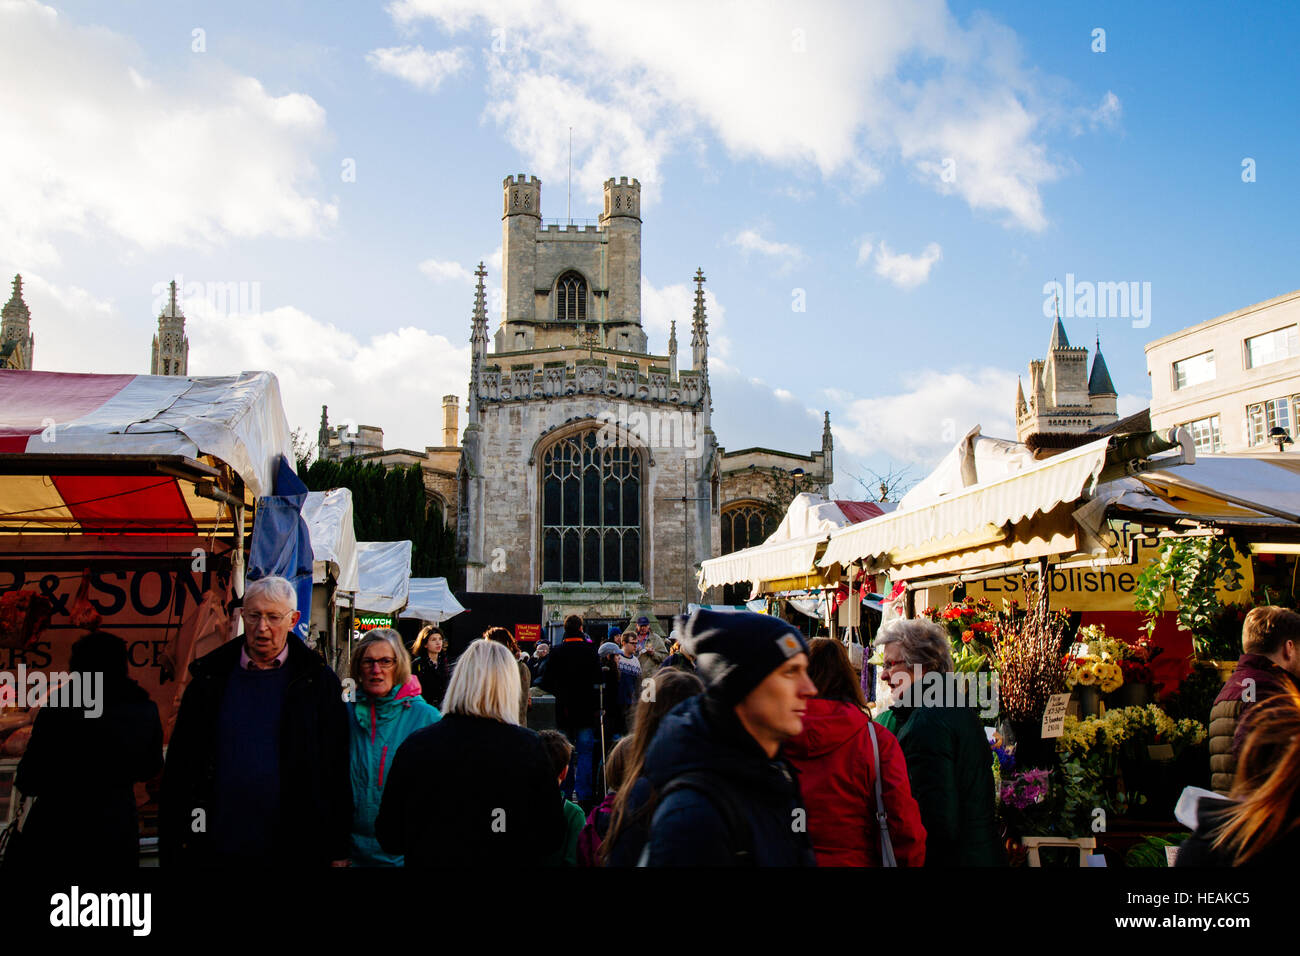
(720, 796)
(886, 845)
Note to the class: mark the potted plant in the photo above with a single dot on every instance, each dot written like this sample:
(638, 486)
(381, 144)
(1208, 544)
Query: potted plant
(1194, 568)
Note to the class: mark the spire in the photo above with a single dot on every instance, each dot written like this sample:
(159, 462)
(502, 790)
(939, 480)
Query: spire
(1059, 339)
(699, 327)
(478, 327)
(828, 452)
(826, 431)
(16, 308)
(1099, 382)
(323, 436)
(16, 340)
(672, 349)
(172, 309)
(1021, 407)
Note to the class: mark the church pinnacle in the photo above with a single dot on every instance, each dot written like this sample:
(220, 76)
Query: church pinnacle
(699, 327)
(171, 347)
(16, 339)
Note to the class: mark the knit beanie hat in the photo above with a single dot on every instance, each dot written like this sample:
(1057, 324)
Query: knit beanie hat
(734, 651)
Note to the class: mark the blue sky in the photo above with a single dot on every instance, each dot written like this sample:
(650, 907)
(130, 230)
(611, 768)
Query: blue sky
(915, 173)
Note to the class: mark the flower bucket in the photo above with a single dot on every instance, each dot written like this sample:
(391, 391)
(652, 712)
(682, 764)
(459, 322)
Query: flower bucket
(1089, 699)
(1131, 695)
(1031, 749)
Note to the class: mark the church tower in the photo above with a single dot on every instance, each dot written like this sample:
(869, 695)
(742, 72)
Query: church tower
(16, 340)
(1063, 398)
(171, 348)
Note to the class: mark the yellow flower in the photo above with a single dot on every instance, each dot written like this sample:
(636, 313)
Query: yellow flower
(1086, 674)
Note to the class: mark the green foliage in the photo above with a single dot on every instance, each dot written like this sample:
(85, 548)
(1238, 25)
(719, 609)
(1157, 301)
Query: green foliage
(1193, 568)
(1195, 695)
(392, 505)
(1151, 851)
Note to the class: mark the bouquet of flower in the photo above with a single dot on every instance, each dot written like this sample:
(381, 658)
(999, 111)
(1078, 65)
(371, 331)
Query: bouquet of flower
(1023, 790)
(972, 626)
(1096, 659)
(1128, 725)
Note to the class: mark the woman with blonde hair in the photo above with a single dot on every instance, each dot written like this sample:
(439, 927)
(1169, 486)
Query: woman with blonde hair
(475, 789)
(1259, 825)
(387, 709)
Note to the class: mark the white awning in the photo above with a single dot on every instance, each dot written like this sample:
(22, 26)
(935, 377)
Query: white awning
(384, 572)
(975, 514)
(429, 599)
(781, 559)
(333, 542)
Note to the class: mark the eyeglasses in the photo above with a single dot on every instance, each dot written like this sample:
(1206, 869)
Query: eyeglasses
(383, 663)
(890, 665)
(254, 618)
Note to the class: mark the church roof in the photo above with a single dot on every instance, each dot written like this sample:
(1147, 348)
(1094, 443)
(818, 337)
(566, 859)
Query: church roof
(1059, 339)
(1099, 382)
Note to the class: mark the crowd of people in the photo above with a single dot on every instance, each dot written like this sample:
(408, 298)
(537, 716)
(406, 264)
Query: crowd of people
(744, 743)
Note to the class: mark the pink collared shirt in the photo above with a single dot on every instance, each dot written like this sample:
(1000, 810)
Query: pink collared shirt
(246, 663)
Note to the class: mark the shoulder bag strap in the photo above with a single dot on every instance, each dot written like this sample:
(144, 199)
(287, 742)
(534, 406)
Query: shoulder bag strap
(886, 845)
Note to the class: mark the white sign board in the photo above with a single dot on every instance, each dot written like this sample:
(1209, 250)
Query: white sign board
(1054, 715)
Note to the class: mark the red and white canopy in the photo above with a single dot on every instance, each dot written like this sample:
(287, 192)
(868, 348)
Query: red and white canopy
(116, 445)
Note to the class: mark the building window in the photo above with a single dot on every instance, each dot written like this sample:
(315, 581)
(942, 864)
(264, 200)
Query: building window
(1205, 432)
(1194, 370)
(1272, 347)
(591, 512)
(571, 298)
(1264, 417)
(743, 526)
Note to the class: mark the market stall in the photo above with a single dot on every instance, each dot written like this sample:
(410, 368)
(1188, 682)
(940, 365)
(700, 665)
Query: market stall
(125, 504)
(430, 600)
(334, 567)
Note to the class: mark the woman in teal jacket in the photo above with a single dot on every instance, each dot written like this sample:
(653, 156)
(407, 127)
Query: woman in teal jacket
(388, 708)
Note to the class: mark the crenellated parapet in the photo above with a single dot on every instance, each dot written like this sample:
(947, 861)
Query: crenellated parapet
(620, 382)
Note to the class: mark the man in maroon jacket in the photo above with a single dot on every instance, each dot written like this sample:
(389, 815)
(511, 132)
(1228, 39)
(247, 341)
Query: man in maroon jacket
(1270, 640)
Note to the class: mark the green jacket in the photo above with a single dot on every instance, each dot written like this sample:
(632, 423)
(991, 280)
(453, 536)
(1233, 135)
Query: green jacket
(950, 768)
(574, 821)
(378, 728)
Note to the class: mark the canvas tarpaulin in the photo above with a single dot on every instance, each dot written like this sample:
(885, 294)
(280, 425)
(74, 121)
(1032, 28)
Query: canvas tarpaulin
(333, 541)
(384, 574)
(429, 599)
(281, 542)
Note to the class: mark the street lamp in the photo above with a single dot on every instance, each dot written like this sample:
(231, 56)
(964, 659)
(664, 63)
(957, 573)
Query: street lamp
(795, 475)
(1278, 436)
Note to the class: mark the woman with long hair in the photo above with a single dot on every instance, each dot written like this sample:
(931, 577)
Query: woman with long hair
(506, 640)
(388, 709)
(1259, 825)
(475, 789)
(633, 807)
(430, 665)
(836, 760)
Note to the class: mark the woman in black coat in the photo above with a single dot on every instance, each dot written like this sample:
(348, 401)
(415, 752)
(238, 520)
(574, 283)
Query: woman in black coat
(430, 665)
(474, 789)
(82, 765)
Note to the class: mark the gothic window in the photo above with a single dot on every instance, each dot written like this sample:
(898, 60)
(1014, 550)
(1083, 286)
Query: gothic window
(571, 298)
(591, 512)
(743, 526)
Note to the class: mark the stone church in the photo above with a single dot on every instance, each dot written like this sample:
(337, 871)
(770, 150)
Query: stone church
(1064, 397)
(17, 343)
(589, 471)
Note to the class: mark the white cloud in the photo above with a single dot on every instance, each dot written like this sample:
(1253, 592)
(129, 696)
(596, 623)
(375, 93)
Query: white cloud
(750, 240)
(864, 251)
(1108, 111)
(100, 146)
(393, 379)
(422, 69)
(661, 305)
(920, 424)
(446, 271)
(839, 88)
(903, 270)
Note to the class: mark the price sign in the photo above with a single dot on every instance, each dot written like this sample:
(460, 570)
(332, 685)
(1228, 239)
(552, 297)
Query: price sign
(1054, 715)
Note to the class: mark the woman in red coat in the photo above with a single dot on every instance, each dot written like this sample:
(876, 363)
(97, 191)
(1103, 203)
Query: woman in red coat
(836, 768)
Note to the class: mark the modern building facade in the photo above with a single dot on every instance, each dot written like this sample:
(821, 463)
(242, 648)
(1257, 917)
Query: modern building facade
(1231, 380)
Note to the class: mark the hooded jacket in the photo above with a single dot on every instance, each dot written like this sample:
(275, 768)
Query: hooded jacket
(950, 768)
(688, 828)
(837, 774)
(1228, 717)
(316, 800)
(378, 728)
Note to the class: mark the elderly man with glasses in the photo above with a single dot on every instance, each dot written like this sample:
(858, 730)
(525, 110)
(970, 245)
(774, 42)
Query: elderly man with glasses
(257, 767)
